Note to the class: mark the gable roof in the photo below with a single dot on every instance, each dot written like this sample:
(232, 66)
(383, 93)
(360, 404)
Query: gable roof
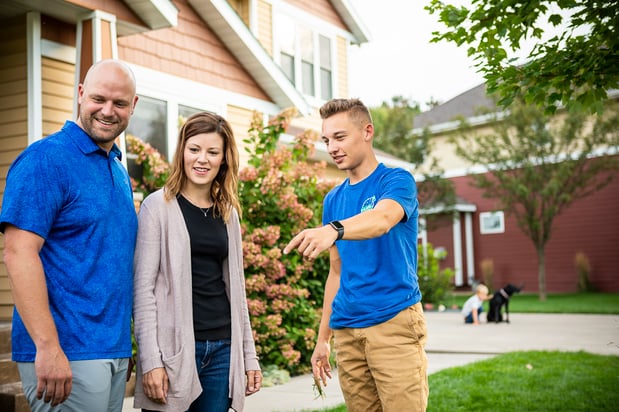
(239, 40)
(473, 102)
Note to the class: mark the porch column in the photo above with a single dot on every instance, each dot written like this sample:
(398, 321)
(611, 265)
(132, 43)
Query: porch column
(470, 255)
(96, 40)
(457, 250)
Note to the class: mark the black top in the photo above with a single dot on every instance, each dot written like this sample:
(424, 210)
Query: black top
(209, 248)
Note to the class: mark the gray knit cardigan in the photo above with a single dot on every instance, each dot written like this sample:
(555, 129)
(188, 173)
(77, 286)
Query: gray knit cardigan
(162, 308)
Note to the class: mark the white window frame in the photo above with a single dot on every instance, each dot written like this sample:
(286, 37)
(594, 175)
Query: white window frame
(491, 222)
(318, 28)
(179, 91)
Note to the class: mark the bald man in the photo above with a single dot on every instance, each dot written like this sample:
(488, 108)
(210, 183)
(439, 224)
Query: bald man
(69, 225)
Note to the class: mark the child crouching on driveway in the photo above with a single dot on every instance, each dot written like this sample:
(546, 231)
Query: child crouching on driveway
(473, 307)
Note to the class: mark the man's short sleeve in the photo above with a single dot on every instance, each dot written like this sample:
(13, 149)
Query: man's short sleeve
(399, 185)
(33, 194)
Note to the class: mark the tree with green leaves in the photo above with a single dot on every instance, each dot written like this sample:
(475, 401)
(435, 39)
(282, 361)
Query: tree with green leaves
(393, 122)
(538, 166)
(393, 134)
(575, 68)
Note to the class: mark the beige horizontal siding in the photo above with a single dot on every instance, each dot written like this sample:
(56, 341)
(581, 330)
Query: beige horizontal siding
(265, 25)
(13, 122)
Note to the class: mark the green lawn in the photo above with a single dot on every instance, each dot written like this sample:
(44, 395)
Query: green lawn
(529, 381)
(592, 303)
(526, 381)
(532, 380)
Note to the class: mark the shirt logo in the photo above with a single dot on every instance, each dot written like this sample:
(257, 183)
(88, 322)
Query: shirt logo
(368, 204)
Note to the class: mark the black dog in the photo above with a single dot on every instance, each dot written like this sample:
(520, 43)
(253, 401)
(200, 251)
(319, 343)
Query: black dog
(500, 299)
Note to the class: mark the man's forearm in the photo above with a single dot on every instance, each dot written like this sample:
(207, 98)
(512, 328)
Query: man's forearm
(28, 286)
(331, 287)
(373, 223)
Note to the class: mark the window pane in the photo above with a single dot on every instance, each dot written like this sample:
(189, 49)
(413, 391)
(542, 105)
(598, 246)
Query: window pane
(286, 35)
(149, 123)
(326, 88)
(307, 70)
(326, 76)
(307, 44)
(287, 64)
(184, 112)
(325, 52)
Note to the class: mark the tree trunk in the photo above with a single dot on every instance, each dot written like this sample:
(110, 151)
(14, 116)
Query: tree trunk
(541, 273)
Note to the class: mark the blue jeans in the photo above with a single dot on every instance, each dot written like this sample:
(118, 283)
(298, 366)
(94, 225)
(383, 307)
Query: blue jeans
(213, 362)
(469, 318)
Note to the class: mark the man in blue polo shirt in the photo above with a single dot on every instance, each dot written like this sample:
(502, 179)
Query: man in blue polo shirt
(70, 225)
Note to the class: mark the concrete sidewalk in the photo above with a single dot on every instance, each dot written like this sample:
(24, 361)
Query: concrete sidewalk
(451, 343)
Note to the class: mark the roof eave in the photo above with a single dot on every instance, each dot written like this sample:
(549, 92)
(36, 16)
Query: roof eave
(352, 20)
(157, 14)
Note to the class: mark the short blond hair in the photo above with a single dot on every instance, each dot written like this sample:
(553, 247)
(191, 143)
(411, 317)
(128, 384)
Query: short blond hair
(481, 289)
(357, 111)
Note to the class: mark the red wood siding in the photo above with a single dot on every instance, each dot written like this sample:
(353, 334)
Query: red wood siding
(442, 236)
(589, 225)
(58, 31)
(192, 51)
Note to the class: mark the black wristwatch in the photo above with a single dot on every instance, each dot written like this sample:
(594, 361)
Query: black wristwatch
(338, 227)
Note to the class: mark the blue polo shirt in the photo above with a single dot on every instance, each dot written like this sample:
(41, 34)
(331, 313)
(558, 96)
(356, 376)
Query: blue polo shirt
(378, 276)
(78, 198)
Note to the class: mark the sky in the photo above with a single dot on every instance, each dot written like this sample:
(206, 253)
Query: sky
(400, 60)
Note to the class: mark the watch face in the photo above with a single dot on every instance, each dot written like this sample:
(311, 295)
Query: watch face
(337, 225)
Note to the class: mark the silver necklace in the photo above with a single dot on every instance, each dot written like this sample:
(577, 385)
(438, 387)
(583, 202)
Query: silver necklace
(204, 210)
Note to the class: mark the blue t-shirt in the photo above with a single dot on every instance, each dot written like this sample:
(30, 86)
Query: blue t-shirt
(378, 276)
(70, 192)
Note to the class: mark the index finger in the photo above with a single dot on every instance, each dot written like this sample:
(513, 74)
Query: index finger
(40, 388)
(293, 244)
(68, 387)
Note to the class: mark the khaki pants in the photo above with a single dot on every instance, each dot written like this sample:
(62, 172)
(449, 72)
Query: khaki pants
(384, 367)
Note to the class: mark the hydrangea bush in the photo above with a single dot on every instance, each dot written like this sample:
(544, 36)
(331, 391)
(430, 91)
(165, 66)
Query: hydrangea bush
(281, 193)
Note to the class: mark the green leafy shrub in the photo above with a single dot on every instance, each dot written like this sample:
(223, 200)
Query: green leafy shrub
(281, 193)
(583, 269)
(435, 284)
(272, 376)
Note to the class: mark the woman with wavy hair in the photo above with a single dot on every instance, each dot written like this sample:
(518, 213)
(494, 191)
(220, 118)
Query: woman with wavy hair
(195, 345)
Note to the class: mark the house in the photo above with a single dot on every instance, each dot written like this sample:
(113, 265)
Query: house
(229, 57)
(480, 232)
